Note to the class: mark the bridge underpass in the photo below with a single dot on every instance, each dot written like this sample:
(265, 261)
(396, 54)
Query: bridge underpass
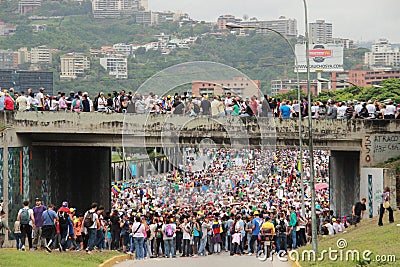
(68, 147)
(80, 175)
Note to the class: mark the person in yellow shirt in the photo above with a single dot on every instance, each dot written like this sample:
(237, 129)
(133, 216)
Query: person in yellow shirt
(266, 226)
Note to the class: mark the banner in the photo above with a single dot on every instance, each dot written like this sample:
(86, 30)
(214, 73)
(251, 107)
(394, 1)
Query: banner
(323, 58)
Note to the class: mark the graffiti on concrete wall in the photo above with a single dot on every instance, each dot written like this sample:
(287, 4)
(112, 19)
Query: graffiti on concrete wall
(381, 147)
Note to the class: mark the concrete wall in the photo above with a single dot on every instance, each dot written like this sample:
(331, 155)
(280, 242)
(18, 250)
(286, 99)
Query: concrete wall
(74, 174)
(344, 181)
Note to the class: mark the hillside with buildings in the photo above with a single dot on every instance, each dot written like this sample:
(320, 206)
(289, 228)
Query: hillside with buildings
(112, 44)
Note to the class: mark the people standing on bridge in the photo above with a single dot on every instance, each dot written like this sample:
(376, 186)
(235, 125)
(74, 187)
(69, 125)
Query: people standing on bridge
(22, 102)
(27, 223)
(285, 111)
(8, 102)
(40, 99)
(76, 104)
(38, 239)
(385, 205)
(358, 211)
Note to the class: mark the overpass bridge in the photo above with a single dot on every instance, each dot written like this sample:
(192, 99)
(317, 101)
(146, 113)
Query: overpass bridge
(65, 155)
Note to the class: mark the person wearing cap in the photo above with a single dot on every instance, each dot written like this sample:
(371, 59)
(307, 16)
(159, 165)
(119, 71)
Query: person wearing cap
(4, 228)
(256, 225)
(63, 219)
(38, 240)
(49, 218)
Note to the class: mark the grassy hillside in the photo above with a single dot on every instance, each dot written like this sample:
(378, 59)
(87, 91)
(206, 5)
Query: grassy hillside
(368, 235)
(14, 258)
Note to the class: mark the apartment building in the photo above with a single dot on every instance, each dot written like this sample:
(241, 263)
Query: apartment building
(238, 86)
(114, 8)
(41, 55)
(25, 6)
(74, 65)
(367, 78)
(280, 86)
(382, 55)
(8, 60)
(225, 19)
(287, 27)
(146, 17)
(320, 32)
(7, 29)
(116, 65)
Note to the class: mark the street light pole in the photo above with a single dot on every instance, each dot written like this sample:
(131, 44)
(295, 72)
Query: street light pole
(314, 238)
(300, 163)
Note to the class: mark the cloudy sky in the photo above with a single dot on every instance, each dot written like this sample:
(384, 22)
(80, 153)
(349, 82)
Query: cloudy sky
(360, 20)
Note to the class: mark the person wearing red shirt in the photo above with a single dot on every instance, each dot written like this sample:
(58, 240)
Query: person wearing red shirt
(8, 102)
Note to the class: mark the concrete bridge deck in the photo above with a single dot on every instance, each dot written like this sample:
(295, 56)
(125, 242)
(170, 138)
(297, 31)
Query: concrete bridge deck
(381, 137)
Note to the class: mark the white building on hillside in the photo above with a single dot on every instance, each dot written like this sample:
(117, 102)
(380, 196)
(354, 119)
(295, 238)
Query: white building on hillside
(116, 65)
(382, 55)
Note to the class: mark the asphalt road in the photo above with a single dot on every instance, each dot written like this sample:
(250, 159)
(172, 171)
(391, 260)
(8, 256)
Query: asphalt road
(213, 260)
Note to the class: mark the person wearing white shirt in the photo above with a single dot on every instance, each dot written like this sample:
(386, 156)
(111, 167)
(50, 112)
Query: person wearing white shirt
(371, 109)
(341, 110)
(101, 102)
(93, 228)
(138, 230)
(40, 99)
(22, 102)
(228, 104)
(27, 223)
(390, 111)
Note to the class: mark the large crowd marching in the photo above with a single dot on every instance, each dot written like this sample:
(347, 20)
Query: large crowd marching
(224, 206)
(123, 102)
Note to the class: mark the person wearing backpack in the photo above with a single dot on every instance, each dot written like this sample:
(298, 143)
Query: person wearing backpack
(159, 238)
(168, 231)
(63, 219)
(3, 227)
(92, 224)
(27, 222)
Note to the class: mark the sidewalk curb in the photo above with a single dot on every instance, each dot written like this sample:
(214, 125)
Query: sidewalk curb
(294, 263)
(114, 260)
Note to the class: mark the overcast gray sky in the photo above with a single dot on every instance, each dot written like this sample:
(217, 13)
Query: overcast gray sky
(365, 20)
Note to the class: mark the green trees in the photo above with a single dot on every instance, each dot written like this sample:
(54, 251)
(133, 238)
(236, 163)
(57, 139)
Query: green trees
(389, 89)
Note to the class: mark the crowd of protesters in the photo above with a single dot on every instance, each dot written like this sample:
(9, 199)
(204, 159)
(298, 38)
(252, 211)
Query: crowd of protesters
(229, 105)
(224, 206)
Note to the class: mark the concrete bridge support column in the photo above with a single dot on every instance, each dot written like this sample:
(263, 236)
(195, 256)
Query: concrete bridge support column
(159, 170)
(165, 165)
(5, 178)
(344, 181)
